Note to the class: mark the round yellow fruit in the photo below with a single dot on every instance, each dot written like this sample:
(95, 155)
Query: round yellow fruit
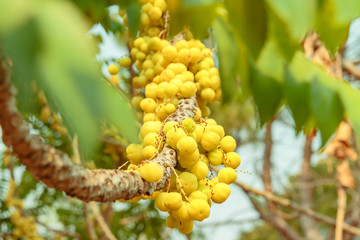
(221, 192)
(227, 175)
(151, 171)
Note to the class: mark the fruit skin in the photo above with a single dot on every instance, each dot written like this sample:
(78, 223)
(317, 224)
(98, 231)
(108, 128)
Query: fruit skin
(188, 182)
(216, 157)
(186, 145)
(228, 144)
(199, 209)
(113, 69)
(210, 140)
(233, 160)
(173, 200)
(151, 172)
(221, 192)
(227, 175)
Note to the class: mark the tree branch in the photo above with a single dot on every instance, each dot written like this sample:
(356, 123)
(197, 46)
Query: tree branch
(57, 170)
(101, 221)
(306, 193)
(340, 215)
(287, 203)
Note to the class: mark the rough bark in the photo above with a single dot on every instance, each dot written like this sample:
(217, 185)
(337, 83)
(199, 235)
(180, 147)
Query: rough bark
(57, 170)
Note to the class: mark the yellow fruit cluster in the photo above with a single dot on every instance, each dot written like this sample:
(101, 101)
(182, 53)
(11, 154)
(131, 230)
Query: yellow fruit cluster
(25, 226)
(169, 72)
(49, 117)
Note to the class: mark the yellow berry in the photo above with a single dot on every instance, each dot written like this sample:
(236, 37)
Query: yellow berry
(199, 209)
(113, 69)
(188, 182)
(221, 192)
(233, 160)
(135, 153)
(216, 157)
(171, 222)
(228, 144)
(151, 172)
(185, 227)
(200, 169)
(160, 202)
(173, 201)
(186, 145)
(182, 214)
(189, 124)
(125, 62)
(210, 140)
(148, 105)
(227, 175)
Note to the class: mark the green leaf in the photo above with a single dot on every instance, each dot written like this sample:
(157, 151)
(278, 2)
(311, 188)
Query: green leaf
(271, 61)
(326, 106)
(333, 20)
(351, 98)
(248, 19)
(298, 98)
(72, 78)
(13, 14)
(133, 13)
(267, 93)
(228, 58)
(298, 16)
(197, 15)
(21, 45)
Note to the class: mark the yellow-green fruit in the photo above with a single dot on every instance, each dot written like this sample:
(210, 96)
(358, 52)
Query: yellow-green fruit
(173, 136)
(218, 129)
(188, 160)
(228, 144)
(189, 125)
(206, 189)
(135, 153)
(113, 69)
(199, 132)
(227, 175)
(233, 160)
(125, 62)
(169, 125)
(221, 192)
(198, 194)
(210, 141)
(188, 89)
(188, 182)
(151, 172)
(216, 157)
(199, 209)
(173, 201)
(200, 169)
(151, 139)
(186, 145)
(171, 222)
(148, 105)
(160, 202)
(169, 52)
(170, 108)
(185, 227)
(215, 181)
(136, 101)
(204, 159)
(182, 213)
(149, 152)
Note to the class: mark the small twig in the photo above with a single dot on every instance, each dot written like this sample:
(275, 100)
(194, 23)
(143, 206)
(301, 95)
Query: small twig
(351, 68)
(125, 221)
(340, 215)
(287, 203)
(89, 225)
(101, 222)
(59, 232)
